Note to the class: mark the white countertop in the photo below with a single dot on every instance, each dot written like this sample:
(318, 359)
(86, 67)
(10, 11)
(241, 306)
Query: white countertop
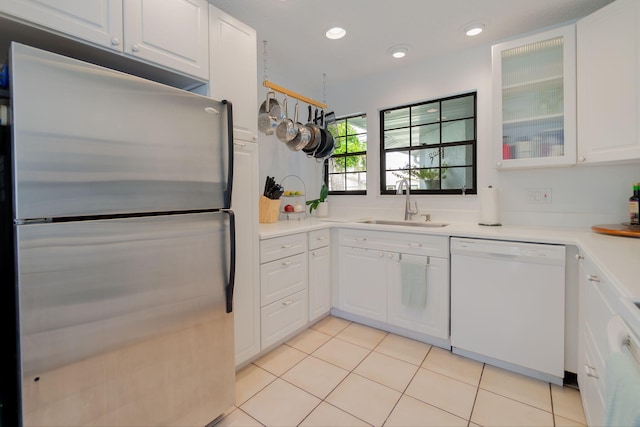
(616, 256)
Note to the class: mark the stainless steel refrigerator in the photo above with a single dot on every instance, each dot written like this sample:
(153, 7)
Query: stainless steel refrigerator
(123, 246)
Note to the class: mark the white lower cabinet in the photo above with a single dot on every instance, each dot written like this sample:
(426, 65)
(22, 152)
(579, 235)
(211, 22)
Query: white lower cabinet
(399, 279)
(363, 282)
(430, 316)
(596, 299)
(284, 305)
(283, 317)
(319, 274)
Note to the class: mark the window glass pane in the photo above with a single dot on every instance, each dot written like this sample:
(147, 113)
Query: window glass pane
(458, 108)
(340, 146)
(426, 113)
(356, 144)
(426, 158)
(458, 155)
(336, 164)
(356, 181)
(456, 177)
(359, 124)
(397, 160)
(425, 135)
(336, 182)
(392, 179)
(356, 163)
(394, 119)
(460, 130)
(396, 138)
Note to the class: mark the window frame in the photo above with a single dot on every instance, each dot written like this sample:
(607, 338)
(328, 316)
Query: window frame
(341, 155)
(473, 143)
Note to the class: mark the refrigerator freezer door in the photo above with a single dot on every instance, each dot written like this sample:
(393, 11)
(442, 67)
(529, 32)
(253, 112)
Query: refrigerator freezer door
(126, 318)
(93, 141)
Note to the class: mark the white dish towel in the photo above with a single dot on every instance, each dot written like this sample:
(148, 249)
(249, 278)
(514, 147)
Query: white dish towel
(413, 273)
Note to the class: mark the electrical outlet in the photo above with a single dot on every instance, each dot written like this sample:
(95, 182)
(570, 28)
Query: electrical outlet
(538, 196)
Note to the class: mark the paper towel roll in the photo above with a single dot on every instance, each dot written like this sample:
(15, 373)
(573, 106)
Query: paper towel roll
(489, 206)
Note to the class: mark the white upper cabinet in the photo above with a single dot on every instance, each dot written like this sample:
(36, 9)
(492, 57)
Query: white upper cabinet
(233, 71)
(534, 97)
(96, 21)
(608, 84)
(171, 33)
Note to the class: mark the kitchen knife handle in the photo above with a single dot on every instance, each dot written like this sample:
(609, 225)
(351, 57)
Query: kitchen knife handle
(232, 260)
(227, 202)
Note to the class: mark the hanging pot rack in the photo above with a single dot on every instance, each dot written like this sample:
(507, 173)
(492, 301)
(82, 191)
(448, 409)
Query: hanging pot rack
(292, 94)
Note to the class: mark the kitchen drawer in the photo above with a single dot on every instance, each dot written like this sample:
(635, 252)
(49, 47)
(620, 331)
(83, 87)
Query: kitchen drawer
(408, 243)
(592, 381)
(281, 247)
(597, 313)
(282, 277)
(283, 317)
(319, 238)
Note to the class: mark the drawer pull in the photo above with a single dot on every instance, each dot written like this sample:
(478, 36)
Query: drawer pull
(593, 278)
(589, 370)
(286, 246)
(314, 253)
(415, 245)
(321, 238)
(361, 239)
(286, 263)
(579, 257)
(287, 302)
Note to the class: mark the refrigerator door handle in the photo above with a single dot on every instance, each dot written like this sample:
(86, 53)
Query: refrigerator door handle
(227, 203)
(232, 260)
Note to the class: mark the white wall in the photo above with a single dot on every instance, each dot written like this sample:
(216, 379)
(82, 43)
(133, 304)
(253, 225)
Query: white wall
(581, 196)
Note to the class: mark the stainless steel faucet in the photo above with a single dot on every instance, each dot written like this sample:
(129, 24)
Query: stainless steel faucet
(408, 212)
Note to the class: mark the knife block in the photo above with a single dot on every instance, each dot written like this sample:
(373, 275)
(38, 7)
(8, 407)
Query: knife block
(268, 210)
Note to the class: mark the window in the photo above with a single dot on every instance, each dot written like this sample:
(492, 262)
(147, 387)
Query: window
(346, 169)
(431, 144)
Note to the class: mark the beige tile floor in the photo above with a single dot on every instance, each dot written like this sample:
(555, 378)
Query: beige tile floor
(340, 373)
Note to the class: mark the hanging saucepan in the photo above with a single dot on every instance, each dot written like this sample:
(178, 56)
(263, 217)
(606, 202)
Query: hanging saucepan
(286, 129)
(316, 134)
(316, 137)
(327, 139)
(269, 115)
(303, 134)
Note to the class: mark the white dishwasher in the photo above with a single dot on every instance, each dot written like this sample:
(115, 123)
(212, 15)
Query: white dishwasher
(507, 305)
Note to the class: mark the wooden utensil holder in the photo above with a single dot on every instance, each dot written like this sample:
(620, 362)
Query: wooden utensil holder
(268, 210)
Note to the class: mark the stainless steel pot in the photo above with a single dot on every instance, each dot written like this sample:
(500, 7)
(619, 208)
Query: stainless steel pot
(303, 135)
(316, 137)
(269, 115)
(286, 129)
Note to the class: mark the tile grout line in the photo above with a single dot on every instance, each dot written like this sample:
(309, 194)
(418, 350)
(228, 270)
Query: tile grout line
(475, 399)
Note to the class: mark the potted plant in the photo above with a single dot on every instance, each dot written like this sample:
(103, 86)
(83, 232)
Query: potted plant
(320, 203)
(430, 177)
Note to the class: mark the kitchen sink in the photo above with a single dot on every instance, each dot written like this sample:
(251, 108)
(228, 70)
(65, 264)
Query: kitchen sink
(406, 223)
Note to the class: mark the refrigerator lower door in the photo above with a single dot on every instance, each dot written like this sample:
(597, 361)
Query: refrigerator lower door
(123, 322)
(92, 141)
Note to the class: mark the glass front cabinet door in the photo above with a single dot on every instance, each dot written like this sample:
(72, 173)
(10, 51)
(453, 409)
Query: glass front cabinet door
(534, 93)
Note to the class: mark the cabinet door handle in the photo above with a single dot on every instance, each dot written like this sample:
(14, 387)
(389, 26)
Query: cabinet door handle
(115, 41)
(286, 246)
(361, 239)
(579, 257)
(286, 263)
(589, 370)
(287, 302)
(593, 278)
(135, 48)
(415, 245)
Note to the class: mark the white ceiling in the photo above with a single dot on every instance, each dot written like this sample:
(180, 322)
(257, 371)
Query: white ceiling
(294, 30)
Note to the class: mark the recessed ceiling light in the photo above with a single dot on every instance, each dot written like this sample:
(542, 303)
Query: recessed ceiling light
(399, 51)
(474, 30)
(335, 33)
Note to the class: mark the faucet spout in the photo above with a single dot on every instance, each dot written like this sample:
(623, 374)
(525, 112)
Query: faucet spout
(408, 211)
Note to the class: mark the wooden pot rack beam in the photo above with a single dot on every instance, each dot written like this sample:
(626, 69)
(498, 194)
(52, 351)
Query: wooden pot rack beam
(292, 94)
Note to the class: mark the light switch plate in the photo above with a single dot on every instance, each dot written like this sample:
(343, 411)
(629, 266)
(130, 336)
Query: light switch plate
(538, 196)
